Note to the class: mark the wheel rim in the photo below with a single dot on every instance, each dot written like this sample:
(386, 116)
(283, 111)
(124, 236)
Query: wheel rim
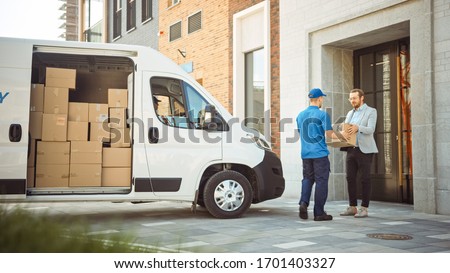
(229, 195)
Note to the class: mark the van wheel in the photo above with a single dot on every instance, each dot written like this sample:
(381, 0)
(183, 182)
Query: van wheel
(227, 194)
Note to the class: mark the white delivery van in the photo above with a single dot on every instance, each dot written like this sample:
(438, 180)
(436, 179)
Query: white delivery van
(106, 122)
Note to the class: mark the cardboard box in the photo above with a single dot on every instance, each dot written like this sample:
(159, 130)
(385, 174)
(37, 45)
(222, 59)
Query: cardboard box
(98, 112)
(118, 98)
(37, 98)
(53, 176)
(56, 100)
(52, 153)
(77, 130)
(116, 177)
(78, 111)
(120, 138)
(85, 152)
(35, 125)
(117, 117)
(116, 157)
(54, 127)
(32, 153)
(99, 131)
(60, 77)
(342, 142)
(85, 175)
(30, 177)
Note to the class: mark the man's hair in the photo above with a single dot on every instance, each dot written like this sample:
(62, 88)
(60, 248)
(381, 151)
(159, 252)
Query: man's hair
(359, 91)
(314, 99)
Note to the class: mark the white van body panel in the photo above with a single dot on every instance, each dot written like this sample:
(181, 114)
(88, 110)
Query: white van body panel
(15, 75)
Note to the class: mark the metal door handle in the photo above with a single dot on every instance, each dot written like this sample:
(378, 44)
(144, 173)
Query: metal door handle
(153, 135)
(15, 132)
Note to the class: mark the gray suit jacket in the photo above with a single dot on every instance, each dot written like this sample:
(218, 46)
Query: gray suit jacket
(366, 123)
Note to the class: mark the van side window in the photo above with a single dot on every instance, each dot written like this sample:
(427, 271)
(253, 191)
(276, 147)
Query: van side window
(178, 104)
(196, 105)
(168, 102)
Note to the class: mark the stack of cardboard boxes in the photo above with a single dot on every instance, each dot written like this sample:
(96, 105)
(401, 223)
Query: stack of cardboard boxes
(68, 137)
(116, 165)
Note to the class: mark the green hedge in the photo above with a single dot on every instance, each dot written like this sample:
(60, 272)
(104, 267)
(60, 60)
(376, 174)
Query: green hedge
(24, 232)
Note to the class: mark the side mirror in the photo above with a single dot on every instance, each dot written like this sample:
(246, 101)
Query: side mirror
(209, 118)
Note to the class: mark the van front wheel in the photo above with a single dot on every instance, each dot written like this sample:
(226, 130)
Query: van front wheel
(227, 194)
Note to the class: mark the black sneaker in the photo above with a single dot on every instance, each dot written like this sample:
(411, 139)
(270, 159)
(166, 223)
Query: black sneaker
(323, 217)
(303, 211)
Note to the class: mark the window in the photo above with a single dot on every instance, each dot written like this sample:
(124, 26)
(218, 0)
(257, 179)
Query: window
(172, 3)
(168, 102)
(131, 14)
(117, 25)
(93, 20)
(178, 104)
(196, 106)
(195, 22)
(175, 31)
(146, 10)
(254, 90)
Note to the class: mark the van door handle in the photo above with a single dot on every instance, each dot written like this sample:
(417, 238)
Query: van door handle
(15, 132)
(153, 135)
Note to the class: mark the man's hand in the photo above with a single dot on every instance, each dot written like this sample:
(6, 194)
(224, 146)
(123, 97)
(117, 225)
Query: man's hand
(352, 129)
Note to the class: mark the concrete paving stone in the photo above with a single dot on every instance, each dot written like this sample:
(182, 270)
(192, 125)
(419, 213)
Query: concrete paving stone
(270, 223)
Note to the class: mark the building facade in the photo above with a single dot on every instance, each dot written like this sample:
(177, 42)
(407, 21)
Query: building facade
(398, 51)
(69, 17)
(231, 48)
(132, 22)
(260, 58)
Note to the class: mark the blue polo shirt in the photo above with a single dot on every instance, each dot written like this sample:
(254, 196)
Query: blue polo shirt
(312, 124)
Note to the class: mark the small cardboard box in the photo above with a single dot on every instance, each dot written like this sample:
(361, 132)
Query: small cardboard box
(54, 127)
(53, 176)
(37, 98)
(77, 130)
(98, 112)
(53, 153)
(99, 131)
(36, 125)
(116, 177)
(56, 100)
(85, 175)
(118, 98)
(342, 142)
(78, 111)
(32, 153)
(85, 152)
(117, 117)
(116, 157)
(30, 177)
(120, 138)
(60, 77)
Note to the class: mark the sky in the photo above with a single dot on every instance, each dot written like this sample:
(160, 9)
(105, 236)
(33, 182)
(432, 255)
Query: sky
(38, 19)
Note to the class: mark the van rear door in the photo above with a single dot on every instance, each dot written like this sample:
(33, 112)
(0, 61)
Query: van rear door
(15, 76)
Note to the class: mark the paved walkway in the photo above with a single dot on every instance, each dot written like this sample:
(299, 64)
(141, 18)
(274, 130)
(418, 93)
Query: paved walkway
(269, 227)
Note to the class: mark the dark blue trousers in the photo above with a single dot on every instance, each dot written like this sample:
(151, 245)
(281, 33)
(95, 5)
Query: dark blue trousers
(315, 170)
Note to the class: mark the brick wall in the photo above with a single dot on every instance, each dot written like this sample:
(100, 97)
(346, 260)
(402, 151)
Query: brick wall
(208, 48)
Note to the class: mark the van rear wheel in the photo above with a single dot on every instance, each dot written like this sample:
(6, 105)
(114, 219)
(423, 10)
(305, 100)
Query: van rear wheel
(227, 194)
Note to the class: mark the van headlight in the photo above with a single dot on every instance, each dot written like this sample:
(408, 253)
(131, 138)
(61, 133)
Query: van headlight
(261, 143)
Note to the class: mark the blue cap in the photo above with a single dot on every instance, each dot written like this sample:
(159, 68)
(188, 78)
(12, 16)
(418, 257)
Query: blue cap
(315, 93)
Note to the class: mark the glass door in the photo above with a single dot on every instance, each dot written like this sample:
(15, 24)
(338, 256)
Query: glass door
(376, 74)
